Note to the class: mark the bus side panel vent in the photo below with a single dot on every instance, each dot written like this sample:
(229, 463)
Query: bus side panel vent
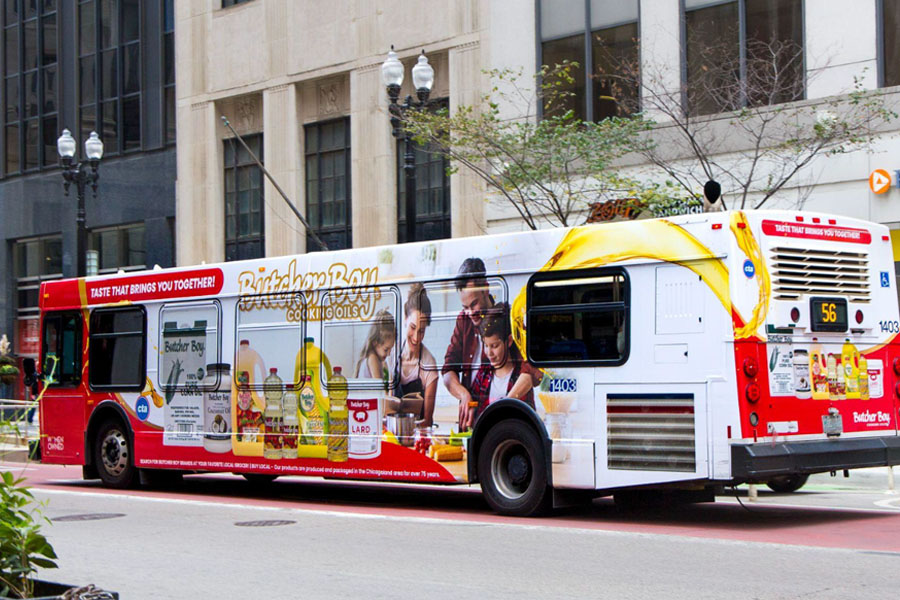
(651, 432)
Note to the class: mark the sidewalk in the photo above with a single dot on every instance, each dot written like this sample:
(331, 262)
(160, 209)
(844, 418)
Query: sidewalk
(14, 441)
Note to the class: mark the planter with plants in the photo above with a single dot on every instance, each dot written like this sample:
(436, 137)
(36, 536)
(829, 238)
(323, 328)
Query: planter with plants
(23, 547)
(9, 372)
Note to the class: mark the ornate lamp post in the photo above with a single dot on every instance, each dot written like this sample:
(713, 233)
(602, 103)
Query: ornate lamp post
(77, 173)
(423, 80)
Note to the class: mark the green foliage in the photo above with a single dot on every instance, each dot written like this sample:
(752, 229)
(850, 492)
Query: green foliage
(551, 168)
(23, 548)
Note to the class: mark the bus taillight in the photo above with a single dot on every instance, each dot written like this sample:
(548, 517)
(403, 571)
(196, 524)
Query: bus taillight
(751, 367)
(751, 392)
(896, 366)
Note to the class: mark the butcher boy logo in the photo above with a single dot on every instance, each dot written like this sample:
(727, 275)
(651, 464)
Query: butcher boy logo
(348, 299)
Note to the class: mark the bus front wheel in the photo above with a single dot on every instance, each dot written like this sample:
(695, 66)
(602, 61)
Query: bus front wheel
(113, 455)
(512, 470)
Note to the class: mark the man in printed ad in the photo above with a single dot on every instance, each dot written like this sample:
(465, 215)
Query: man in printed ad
(465, 354)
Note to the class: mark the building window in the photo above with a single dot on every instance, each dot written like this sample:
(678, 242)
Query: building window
(34, 261)
(328, 183)
(169, 70)
(227, 3)
(117, 348)
(244, 234)
(890, 42)
(119, 248)
(743, 53)
(109, 72)
(432, 192)
(610, 58)
(30, 84)
(578, 317)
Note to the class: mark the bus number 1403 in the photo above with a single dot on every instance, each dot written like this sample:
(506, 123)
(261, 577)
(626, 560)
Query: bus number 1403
(890, 326)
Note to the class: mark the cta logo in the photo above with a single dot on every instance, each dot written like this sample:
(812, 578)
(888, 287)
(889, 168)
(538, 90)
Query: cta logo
(749, 269)
(869, 417)
(142, 408)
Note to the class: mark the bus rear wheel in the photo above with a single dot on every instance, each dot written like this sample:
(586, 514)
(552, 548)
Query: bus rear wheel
(512, 470)
(113, 455)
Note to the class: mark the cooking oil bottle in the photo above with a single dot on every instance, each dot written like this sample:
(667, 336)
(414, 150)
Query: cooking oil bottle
(863, 377)
(818, 372)
(273, 390)
(313, 433)
(832, 374)
(338, 417)
(849, 358)
(290, 425)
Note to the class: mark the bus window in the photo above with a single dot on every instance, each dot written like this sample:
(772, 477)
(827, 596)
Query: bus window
(578, 316)
(117, 348)
(61, 344)
(359, 334)
(270, 329)
(189, 342)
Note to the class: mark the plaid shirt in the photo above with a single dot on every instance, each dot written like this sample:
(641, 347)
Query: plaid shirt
(481, 383)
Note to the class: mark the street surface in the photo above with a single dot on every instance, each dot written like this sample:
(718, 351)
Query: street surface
(218, 536)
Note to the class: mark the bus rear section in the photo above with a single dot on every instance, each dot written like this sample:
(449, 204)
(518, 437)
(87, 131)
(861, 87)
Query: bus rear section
(815, 347)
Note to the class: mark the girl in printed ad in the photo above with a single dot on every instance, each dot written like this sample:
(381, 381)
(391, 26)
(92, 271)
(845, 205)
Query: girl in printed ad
(373, 359)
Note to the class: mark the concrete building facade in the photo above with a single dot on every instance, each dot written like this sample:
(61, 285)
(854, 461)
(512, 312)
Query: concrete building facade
(278, 69)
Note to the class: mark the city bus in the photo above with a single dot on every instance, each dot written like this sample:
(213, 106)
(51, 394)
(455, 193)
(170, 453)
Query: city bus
(678, 354)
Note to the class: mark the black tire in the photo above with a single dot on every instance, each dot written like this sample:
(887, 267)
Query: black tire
(259, 478)
(786, 484)
(114, 456)
(512, 468)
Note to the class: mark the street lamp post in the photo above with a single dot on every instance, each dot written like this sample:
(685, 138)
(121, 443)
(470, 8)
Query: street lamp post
(78, 174)
(423, 80)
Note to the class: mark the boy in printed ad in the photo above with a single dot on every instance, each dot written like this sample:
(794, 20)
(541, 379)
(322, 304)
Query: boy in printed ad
(501, 376)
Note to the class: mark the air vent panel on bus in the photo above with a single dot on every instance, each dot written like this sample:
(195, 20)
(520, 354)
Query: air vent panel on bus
(651, 432)
(798, 271)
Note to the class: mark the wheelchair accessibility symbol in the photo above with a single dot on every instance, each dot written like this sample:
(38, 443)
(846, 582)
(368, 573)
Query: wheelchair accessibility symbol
(885, 279)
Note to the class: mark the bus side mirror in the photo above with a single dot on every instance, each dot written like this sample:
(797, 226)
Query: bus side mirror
(30, 371)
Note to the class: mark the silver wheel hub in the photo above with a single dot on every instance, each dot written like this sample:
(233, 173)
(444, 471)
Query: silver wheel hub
(114, 452)
(511, 469)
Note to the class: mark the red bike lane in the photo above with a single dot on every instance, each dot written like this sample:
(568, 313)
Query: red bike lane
(860, 529)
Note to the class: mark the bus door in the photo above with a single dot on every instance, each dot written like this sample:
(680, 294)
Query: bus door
(63, 402)
(653, 410)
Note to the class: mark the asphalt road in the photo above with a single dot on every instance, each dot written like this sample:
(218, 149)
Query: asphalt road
(221, 537)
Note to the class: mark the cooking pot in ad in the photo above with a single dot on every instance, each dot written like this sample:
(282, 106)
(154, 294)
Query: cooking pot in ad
(402, 425)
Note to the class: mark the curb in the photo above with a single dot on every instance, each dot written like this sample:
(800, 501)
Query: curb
(16, 454)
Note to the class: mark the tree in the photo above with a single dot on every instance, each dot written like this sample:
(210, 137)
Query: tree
(743, 122)
(549, 169)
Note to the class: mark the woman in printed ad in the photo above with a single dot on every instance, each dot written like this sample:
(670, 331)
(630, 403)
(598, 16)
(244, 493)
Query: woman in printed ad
(418, 367)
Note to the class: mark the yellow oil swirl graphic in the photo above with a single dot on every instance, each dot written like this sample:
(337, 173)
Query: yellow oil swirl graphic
(747, 243)
(599, 245)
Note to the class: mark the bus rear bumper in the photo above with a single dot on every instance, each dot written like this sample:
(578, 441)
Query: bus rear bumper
(758, 462)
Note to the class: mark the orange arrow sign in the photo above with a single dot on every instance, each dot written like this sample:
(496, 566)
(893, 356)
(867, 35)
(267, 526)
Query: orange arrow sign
(879, 181)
